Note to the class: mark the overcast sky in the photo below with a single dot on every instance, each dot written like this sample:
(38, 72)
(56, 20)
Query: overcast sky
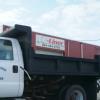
(72, 19)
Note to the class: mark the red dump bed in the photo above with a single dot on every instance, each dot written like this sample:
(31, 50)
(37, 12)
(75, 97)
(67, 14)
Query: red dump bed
(50, 45)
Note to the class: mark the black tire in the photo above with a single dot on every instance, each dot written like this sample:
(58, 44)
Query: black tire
(75, 92)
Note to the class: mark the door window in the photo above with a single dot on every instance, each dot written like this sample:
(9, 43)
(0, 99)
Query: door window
(6, 50)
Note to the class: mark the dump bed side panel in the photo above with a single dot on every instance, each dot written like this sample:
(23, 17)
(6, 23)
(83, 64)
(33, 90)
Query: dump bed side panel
(74, 49)
(50, 45)
(89, 51)
(50, 64)
(56, 65)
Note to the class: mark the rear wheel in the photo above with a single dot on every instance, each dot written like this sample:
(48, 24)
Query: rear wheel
(75, 92)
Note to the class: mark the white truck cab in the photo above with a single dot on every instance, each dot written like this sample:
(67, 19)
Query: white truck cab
(11, 75)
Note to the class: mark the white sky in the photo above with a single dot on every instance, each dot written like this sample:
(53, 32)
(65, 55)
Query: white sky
(72, 19)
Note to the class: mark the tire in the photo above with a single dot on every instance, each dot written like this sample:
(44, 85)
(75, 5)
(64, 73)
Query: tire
(75, 92)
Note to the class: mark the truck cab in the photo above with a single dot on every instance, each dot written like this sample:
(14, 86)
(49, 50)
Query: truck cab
(11, 75)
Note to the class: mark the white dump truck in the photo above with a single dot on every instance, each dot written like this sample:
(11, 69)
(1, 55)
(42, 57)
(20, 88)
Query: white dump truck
(34, 66)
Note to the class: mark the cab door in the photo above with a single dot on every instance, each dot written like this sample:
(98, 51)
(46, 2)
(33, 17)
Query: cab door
(9, 70)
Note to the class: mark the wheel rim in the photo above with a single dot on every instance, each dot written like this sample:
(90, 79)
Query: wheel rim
(76, 95)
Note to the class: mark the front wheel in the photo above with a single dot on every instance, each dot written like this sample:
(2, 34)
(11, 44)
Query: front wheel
(75, 92)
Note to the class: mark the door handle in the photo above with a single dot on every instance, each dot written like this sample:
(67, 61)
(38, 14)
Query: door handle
(15, 69)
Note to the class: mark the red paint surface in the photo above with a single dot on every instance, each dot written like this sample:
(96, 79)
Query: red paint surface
(66, 48)
(97, 50)
(89, 51)
(72, 48)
